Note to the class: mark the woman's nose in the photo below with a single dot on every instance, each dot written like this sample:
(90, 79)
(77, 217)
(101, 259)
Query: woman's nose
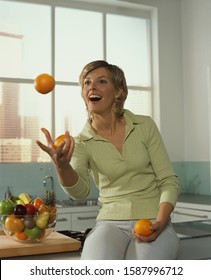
(92, 86)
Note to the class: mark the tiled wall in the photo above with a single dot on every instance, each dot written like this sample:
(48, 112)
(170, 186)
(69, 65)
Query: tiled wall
(29, 178)
(194, 178)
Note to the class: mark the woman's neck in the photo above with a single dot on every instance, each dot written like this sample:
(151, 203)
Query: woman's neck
(107, 124)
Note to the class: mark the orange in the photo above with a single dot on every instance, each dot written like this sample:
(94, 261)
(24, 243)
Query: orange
(21, 235)
(14, 224)
(44, 83)
(142, 227)
(37, 202)
(59, 140)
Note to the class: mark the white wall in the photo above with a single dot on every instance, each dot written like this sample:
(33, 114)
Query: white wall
(184, 55)
(196, 38)
(170, 74)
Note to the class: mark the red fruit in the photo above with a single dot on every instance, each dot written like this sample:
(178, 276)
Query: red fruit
(30, 209)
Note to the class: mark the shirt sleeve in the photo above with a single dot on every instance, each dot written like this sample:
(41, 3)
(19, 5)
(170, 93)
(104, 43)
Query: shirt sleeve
(166, 178)
(80, 164)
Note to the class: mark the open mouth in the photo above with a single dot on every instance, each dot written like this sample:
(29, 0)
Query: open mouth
(94, 97)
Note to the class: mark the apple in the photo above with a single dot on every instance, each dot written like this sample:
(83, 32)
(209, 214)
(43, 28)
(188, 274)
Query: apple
(33, 233)
(30, 209)
(6, 207)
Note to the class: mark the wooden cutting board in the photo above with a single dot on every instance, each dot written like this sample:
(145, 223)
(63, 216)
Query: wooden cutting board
(54, 243)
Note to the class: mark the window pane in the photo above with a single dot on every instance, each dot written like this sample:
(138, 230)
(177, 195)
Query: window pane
(127, 47)
(139, 102)
(25, 45)
(70, 112)
(79, 40)
(23, 112)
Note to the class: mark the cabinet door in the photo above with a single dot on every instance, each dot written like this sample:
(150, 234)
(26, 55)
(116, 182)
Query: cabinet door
(82, 221)
(63, 222)
(185, 215)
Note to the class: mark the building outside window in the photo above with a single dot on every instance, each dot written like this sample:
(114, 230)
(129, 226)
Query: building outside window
(60, 39)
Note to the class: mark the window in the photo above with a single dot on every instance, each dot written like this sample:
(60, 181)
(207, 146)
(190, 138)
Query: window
(60, 39)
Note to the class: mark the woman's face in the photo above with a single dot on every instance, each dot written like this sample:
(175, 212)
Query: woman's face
(99, 92)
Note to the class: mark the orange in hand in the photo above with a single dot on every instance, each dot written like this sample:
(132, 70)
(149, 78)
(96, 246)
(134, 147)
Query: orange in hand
(142, 227)
(59, 140)
(44, 83)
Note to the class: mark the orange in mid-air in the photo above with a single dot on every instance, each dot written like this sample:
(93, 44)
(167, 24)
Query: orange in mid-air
(58, 141)
(142, 227)
(44, 83)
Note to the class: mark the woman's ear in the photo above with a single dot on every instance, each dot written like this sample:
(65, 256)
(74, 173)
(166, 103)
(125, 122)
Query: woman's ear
(119, 94)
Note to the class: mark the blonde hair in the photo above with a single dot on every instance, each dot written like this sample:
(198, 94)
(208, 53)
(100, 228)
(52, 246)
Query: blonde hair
(117, 77)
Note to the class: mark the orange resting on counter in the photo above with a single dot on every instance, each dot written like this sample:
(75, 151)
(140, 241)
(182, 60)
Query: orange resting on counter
(44, 83)
(142, 227)
(59, 140)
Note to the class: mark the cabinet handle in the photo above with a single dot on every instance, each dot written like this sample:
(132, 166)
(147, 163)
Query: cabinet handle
(86, 218)
(192, 215)
(62, 220)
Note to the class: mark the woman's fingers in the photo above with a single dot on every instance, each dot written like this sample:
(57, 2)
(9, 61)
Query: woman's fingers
(62, 155)
(48, 137)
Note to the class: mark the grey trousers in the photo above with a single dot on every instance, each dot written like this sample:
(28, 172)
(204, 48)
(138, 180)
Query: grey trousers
(113, 240)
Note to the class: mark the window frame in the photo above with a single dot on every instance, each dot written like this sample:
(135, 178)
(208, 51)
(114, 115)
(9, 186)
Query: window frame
(112, 7)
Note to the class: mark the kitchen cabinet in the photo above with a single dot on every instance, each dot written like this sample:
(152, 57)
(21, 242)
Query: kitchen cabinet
(82, 221)
(63, 221)
(76, 218)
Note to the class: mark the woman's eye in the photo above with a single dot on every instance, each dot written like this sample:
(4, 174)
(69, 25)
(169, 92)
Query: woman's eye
(86, 82)
(103, 81)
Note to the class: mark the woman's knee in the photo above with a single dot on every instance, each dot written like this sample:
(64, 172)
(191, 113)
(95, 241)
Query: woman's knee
(105, 242)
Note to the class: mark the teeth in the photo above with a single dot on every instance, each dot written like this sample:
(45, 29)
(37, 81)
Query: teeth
(94, 97)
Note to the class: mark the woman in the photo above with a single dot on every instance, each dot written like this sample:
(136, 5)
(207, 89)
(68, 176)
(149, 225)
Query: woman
(126, 156)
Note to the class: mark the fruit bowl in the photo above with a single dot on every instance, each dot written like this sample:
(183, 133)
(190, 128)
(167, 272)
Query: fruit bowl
(27, 220)
(28, 228)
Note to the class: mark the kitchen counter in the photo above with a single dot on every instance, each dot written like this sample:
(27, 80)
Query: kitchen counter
(190, 249)
(195, 199)
(53, 256)
(55, 246)
(195, 244)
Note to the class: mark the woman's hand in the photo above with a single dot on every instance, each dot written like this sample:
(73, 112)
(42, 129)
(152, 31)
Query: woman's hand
(62, 155)
(156, 229)
(162, 219)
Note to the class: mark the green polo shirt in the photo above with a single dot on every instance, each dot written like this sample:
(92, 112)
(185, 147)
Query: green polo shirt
(132, 184)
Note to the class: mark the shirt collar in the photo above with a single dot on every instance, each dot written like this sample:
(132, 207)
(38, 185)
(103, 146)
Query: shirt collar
(131, 120)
